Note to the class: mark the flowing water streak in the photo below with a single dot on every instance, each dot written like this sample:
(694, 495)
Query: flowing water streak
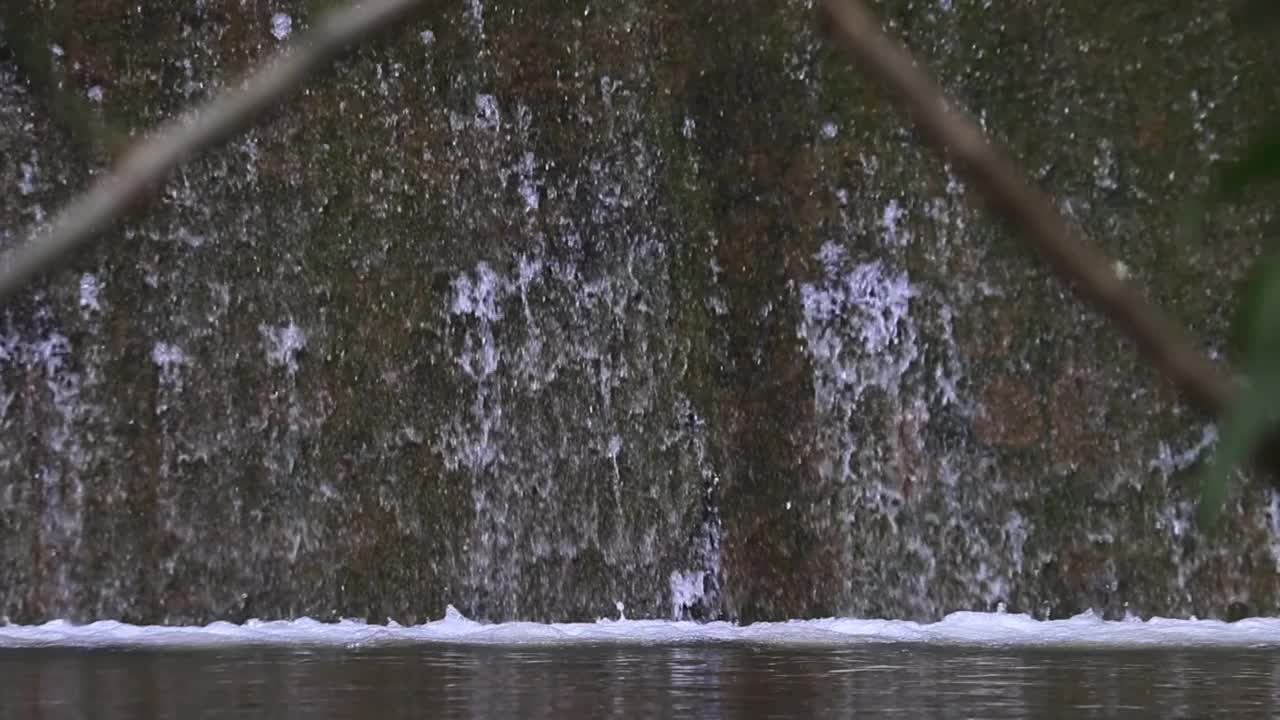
(562, 417)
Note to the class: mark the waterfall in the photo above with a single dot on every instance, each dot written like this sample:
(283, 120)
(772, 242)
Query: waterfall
(533, 309)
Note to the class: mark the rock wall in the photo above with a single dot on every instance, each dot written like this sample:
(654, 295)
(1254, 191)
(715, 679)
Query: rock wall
(539, 307)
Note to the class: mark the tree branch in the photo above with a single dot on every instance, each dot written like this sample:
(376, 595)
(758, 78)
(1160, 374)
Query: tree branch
(218, 120)
(1026, 209)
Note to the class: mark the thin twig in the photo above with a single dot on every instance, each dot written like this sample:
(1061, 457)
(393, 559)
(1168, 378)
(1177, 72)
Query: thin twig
(215, 122)
(1028, 210)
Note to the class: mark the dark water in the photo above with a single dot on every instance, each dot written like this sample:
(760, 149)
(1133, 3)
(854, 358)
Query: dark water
(612, 682)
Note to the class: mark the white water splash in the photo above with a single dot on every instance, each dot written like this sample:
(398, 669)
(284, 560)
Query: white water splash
(58, 388)
(528, 173)
(281, 25)
(891, 225)
(688, 590)
(89, 289)
(1273, 522)
(167, 356)
(282, 344)
(30, 169)
(1105, 173)
(1168, 462)
(487, 115)
(169, 359)
(960, 629)
(475, 17)
(869, 302)
(477, 295)
(1200, 110)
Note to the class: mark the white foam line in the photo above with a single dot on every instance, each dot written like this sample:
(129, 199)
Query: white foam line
(961, 629)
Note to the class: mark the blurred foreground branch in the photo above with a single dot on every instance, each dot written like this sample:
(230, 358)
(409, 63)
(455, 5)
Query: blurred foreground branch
(1026, 209)
(221, 118)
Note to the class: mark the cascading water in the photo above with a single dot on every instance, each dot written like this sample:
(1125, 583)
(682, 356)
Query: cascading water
(543, 309)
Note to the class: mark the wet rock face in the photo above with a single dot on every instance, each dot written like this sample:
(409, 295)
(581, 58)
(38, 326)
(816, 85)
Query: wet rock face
(537, 307)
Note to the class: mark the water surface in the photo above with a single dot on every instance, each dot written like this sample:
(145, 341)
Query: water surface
(623, 681)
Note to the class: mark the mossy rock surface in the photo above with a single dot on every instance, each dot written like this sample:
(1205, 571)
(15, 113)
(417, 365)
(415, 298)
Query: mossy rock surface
(531, 308)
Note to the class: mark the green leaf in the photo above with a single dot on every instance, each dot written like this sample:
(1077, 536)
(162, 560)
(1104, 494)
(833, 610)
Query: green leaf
(1256, 335)
(1249, 420)
(1248, 323)
(1258, 164)
(1255, 13)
